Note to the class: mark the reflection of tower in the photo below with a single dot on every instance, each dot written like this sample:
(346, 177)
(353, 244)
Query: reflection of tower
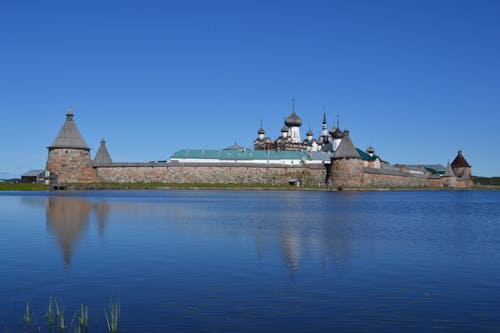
(67, 218)
(101, 210)
(290, 247)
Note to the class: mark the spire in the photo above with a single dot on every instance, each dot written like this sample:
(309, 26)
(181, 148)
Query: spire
(69, 115)
(324, 118)
(261, 129)
(293, 104)
(338, 126)
(102, 156)
(69, 136)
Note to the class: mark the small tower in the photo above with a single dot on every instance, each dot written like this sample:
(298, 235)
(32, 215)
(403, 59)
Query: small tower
(337, 135)
(346, 165)
(294, 122)
(461, 167)
(284, 131)
(449, 179)
(69, 155)
(261, 132)
(370, 150)
(324, 128)
(102, 157)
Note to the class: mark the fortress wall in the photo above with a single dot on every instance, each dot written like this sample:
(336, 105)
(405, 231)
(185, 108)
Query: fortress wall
(383, 178)
(214, 174)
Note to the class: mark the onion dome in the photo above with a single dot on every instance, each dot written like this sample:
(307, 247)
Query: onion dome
(293, 120)
(309, 133)
(261, 131)
(284, 129)
(337, 134)
(370, 150)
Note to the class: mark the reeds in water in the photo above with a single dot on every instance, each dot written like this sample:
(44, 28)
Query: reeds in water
(112, 316)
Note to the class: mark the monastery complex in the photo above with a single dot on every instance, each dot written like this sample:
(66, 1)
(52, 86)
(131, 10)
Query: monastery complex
(330, 160)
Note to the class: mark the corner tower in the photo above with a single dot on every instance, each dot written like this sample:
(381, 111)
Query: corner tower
(346, 165)
(69, 155)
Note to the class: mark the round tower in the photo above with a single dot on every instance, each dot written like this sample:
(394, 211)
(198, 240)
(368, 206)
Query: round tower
(346, 165)
(69, 155)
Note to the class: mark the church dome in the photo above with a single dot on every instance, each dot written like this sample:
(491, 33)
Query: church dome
(293, 120)
(337, 134)
(309, 133)
(261, 131)
(284, 129)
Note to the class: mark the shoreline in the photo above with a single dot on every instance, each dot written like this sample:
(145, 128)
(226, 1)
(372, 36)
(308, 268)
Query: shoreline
(225, 187)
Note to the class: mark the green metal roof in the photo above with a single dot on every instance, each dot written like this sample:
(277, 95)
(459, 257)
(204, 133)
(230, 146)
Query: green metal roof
(365, 156)
(246, 154)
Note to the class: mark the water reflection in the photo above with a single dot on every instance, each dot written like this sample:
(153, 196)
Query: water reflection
(67, 219)
(284, 228)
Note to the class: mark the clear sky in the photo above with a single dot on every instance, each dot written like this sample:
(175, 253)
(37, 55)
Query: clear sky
(418, 79)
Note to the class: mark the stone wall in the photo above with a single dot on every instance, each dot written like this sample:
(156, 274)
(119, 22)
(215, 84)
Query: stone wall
(386, 178)
(209, 174)
(71, 165)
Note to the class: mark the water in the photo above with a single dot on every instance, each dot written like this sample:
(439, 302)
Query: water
(247, 261)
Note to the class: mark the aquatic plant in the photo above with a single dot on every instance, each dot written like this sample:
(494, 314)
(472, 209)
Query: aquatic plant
(27, 316)
(50, 313)
(114, 316)
(83, 319)
(60, 317)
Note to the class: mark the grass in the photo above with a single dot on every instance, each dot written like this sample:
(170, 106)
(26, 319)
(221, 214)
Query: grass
(113, 317)
(23, 187)
(61, 325)
(27, 317)
(79, 322)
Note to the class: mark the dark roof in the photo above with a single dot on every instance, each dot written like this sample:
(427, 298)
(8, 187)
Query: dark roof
(293, 120)
(69, 136)
(309, 133)
(32, 173)
(284, 129)
(459, 161)
(261, 131)
(102, 156)
(337, 134)
(346, 149)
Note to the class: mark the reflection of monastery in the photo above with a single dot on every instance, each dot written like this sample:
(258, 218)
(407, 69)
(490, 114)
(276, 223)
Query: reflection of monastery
(328, 160)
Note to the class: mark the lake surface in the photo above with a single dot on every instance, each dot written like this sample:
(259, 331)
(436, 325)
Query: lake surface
(251, 261)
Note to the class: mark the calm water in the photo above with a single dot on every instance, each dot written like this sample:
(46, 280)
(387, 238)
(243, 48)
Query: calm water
(231, 261)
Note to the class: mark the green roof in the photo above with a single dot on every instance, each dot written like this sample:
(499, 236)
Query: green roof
(365, 156)
(245, 154)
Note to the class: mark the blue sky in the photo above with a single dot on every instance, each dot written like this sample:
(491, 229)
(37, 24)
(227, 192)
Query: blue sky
(416, 79)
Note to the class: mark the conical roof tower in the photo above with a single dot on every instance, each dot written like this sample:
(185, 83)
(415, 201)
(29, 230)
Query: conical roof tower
(69, 156)
(102, 157)
(69, 136)
(346, 148)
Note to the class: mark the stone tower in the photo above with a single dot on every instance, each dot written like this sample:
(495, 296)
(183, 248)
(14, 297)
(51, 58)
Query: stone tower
(346, 165)
(461, 167)
(69, 155)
